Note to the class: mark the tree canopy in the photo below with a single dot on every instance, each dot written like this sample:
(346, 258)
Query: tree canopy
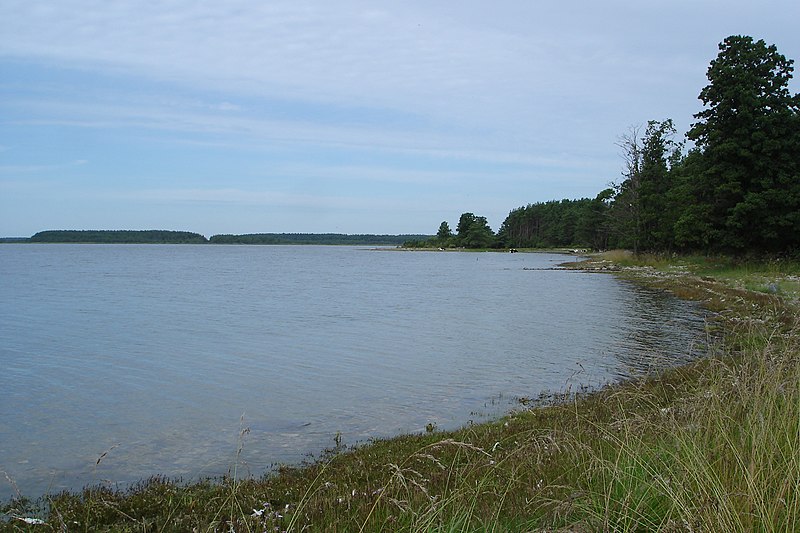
(737, 190)
(748, 178)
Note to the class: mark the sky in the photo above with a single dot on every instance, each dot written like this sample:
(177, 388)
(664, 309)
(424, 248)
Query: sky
(251, 116)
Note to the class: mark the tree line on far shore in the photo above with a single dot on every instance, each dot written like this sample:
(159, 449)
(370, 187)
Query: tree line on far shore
(118, 237)
(315, 238)
(737, 190)
(187, 237)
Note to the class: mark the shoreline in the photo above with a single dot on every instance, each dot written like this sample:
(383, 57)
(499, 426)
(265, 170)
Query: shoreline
(308, 487)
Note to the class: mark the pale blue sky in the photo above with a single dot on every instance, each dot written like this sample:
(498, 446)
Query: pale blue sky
(249, 116)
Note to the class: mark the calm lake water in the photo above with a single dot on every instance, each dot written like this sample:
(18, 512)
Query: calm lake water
(161, 355)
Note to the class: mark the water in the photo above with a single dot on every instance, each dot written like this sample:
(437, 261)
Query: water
(159, 356)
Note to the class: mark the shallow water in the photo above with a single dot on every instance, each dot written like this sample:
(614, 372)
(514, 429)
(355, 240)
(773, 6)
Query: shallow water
(160, 355)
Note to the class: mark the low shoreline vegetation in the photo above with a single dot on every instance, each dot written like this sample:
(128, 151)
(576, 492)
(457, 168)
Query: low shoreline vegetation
(709, 446)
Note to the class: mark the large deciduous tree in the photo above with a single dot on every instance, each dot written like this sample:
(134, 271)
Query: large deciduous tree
(749, 136)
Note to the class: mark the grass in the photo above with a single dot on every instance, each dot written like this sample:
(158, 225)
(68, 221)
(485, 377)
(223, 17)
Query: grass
(771, 276)
(709, 446)
(725, 458)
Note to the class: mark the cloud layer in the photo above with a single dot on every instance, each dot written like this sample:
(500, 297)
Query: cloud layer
(413, 93)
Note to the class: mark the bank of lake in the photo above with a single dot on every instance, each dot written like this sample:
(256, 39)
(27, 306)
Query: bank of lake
(712, 446)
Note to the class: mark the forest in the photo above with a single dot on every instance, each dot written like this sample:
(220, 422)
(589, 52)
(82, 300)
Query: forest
(118, 236)
(186, 237)
(730, 185)
(314, 238)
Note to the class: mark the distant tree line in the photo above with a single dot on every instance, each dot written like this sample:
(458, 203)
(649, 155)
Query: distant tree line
(185, 237)
(119, 236)
(315, 238)
(736, 190)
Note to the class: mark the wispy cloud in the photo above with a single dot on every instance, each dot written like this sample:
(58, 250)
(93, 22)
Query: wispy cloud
(502, 105)
(250, 130)
(26, 169)
(227, 106)
(461, 65)
(257, 198)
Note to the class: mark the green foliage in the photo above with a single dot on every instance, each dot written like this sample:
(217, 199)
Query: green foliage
(557, 223)
(642, 217)
(736, 191)
(748, 180)
(474, 232)
(444, 232)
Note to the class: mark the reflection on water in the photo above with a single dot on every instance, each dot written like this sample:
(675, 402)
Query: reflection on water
(656, 333)
(159, 355)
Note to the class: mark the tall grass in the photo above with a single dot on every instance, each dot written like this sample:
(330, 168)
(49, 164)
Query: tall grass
(725, 458)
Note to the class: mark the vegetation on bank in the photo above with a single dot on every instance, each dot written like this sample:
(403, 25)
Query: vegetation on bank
(710, 446)
(735, 191)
